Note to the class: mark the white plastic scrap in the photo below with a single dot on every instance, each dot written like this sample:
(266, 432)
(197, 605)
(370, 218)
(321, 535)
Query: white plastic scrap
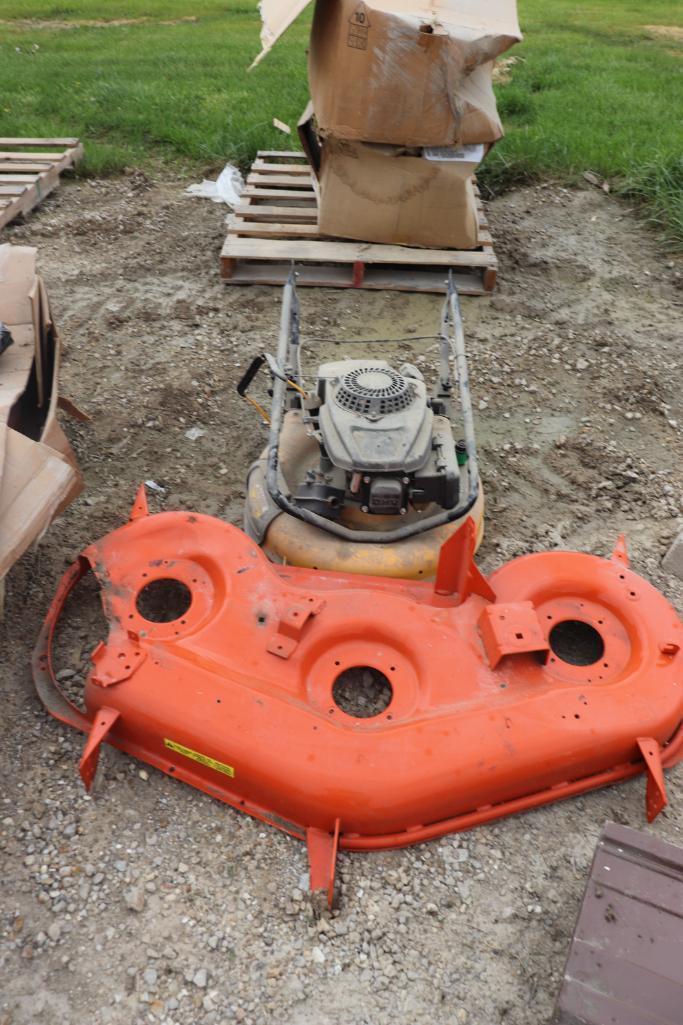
(194, 433)
(226, 189)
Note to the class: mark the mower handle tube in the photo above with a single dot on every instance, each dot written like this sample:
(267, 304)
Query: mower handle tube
(289, 335)
(451, 310)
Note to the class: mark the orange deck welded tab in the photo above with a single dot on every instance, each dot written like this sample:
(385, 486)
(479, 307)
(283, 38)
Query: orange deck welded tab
(480, 723)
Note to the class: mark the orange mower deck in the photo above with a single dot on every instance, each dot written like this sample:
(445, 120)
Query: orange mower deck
(488, 711)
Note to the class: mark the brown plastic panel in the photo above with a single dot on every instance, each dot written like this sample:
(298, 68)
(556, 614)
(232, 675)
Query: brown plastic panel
(625, 964)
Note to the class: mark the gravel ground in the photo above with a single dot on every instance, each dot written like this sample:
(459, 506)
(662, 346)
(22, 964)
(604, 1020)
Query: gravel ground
(150, 902)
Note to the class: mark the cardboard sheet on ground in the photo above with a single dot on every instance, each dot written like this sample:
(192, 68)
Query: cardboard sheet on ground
(36, 482)
(38, 472)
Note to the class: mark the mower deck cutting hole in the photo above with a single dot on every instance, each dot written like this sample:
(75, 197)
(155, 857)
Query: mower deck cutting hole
(576, 642)
(164, 600)
(362, 692)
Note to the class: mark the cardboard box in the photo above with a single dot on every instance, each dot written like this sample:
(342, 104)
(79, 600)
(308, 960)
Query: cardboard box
(391, 194)
(403, 72)
(397, 73)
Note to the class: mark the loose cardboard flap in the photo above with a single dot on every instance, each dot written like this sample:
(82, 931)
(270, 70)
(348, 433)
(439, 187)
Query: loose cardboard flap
(16, 263)
(467, 20)
(18, 310)
(35, 484)
(476, 104)
(276, 17)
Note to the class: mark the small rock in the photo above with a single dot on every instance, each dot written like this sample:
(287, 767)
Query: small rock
(150, 977)
(200, 978)
(673, 560)
(134, 898)
(54, 931)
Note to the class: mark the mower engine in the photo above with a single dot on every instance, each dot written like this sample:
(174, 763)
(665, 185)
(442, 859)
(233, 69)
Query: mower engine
(362, 472)
(385, 444)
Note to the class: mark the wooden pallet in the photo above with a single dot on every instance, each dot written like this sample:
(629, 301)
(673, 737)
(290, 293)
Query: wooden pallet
(29, 171)
(276, 223)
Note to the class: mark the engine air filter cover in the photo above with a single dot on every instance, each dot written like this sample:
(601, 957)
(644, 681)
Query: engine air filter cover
(374, 419)
(374, 391)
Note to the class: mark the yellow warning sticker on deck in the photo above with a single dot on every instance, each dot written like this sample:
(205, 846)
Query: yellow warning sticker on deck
(197, 756)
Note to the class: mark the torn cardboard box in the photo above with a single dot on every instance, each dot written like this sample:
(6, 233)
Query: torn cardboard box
(379, 193)
(403, 72)
(38, 472)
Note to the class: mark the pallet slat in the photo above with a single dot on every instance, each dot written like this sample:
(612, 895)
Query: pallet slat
(377, 278)
(279, 154)
(38, 158)
(352, 252)
(5, 178)
(24, 168)
(38, 142)
(253, 192)
(287, 181)
(284, 214)
(264, 168)
(268, 229)
(29, 177)
(275, 225)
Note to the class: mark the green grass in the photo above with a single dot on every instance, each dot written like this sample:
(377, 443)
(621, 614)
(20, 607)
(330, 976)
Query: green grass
(167, 92)
(593, 92)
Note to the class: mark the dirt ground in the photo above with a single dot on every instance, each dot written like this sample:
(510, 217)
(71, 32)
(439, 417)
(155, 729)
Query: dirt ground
(150, 902)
